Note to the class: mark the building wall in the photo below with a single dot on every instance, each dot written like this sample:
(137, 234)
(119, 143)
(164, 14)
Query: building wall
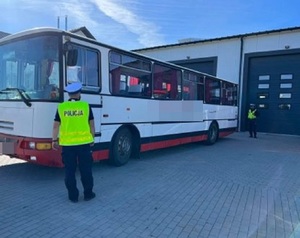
(271, 42)
(227, 53)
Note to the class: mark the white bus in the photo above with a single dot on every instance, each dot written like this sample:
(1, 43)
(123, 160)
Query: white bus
(139, 103)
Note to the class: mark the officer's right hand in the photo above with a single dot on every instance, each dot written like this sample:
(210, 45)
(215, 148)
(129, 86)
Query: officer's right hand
(55, 145)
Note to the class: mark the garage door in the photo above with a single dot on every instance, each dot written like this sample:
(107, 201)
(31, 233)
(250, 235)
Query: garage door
(205, 65)
(274, 85)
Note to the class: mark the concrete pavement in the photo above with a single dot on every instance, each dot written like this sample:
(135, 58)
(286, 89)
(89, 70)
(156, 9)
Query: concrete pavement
(239, 187)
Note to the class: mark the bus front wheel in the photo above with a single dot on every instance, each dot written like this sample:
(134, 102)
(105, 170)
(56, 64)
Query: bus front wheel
(121, 147)
(212, 134)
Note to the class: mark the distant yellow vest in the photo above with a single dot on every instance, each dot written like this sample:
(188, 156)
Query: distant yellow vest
(74, 127)
(251, 114)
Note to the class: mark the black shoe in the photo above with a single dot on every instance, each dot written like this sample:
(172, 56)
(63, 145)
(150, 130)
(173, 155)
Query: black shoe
(73, 197)
(89, 197)
(74, 200)
(250, 136)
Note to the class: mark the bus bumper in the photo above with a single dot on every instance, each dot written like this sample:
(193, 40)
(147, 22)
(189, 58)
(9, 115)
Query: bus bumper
(7, 148)
(19, 147)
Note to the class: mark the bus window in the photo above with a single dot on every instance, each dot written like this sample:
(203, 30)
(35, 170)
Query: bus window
(166, 83)
(86, 69)
(212, 91)
(30, 66)
(92, 69)
(129, 76)
(228, 93)
(193, 88)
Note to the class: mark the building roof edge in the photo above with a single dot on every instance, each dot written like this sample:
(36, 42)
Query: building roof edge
(220, 38)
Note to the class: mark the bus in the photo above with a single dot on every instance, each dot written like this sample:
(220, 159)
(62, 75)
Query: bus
(139, 103)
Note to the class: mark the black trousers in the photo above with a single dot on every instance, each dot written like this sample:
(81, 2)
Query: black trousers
(78, 156)
(252, 127)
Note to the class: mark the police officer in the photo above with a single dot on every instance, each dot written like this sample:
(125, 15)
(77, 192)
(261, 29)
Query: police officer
(252, 115)
(74, 124)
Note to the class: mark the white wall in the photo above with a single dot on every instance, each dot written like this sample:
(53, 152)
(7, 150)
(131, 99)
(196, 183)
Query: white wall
(228, 53)
(272, 42)
(227, 50)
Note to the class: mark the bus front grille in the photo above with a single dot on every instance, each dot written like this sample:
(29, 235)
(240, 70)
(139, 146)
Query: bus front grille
(7, 125)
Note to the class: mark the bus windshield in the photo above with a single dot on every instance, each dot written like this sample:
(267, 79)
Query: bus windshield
(29, 69)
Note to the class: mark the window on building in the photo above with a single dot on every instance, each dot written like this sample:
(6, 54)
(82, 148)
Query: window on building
(285, 95)
(286, 85)
(263, 77)
(263, 106)
(284, 106)
(263, 86)
(263, 95)
(286, 76)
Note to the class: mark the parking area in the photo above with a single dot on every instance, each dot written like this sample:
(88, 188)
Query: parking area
(239, 187)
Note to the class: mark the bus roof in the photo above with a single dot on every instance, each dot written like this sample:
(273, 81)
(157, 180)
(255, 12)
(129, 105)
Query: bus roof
(29, 32)
(56, 30)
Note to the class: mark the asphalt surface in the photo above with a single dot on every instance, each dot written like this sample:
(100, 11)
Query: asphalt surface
(238, 187)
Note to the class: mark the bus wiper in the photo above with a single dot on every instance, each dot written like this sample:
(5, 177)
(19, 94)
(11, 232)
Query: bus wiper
(25, 97)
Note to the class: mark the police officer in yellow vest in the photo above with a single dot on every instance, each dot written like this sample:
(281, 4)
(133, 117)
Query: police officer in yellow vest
(74, 131)
(252, 115)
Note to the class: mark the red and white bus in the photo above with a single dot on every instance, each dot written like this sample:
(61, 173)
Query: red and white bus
(139, 103)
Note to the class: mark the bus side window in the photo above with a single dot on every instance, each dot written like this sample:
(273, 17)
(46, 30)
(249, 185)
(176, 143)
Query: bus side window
(227, 93)
(86, 70)
(212, 89)
(123, 87)
(189, 90)
(115, 81)
(135, 89)
(167, 83)
(126, 72)
(92, 69)
(200, 92)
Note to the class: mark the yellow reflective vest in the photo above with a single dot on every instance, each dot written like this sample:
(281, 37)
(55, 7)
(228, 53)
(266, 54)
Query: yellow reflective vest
(74, 125)
(251, 114)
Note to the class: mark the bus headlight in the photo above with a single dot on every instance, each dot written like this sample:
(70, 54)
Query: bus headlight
(31, 145)
(39, 145)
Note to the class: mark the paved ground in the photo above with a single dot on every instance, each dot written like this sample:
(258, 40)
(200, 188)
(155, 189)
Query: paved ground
(239, 187)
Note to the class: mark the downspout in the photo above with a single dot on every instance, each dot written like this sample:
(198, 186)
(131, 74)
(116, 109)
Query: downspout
(240, 84)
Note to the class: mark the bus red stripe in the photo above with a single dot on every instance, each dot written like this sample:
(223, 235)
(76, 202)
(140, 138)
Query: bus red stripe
(172, 142)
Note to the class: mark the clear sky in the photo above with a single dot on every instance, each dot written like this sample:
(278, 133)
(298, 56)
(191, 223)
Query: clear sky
(134, 24)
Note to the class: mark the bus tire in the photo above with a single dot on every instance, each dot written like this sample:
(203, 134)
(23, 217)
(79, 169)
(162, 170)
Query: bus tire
(212, 134)
(121, 147)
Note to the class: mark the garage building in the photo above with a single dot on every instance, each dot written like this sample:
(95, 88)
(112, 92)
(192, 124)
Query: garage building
(266, 65)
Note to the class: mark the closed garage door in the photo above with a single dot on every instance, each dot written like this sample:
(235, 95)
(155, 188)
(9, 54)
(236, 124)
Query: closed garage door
(205, 65)
(274, 86)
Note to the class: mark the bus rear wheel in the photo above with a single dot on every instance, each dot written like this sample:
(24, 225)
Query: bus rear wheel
(121, 147)
(212, 134)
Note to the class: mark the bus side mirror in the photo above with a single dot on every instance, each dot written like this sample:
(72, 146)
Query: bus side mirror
(72, 56)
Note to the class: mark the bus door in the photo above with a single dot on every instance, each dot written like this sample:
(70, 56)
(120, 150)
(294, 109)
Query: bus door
(83, 65)
(95, 102)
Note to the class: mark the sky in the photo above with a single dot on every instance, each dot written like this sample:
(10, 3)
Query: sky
(136, 24)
